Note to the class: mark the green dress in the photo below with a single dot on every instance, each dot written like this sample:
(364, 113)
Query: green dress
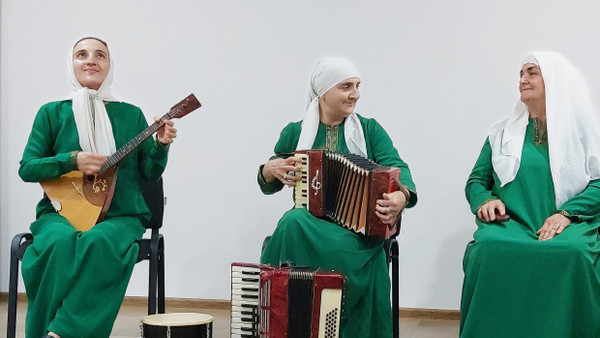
(515, 285)
(303, 239)
(75, 281)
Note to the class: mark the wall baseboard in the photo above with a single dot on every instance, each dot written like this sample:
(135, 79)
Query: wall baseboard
(220, 304)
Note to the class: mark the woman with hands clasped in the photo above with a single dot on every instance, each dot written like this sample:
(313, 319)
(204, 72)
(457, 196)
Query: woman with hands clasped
(532, 269)
(331, 124)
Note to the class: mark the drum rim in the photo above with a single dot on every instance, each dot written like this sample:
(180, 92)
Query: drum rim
(167, 320)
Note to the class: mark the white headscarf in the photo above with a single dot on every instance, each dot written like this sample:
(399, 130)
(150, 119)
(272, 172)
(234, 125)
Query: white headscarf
(327, 73)
(572, 125)
(91, 119)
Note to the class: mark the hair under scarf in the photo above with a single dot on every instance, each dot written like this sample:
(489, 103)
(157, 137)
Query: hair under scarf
(327, 73)
(572, 125)
(93, 126)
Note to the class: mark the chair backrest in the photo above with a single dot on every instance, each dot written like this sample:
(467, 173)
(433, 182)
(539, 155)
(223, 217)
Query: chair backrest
(155, 199)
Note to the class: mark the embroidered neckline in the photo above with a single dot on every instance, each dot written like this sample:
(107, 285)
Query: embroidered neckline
(540, 135)
(331, 137)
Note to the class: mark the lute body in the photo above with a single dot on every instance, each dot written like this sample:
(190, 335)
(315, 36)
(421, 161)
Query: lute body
(84, 199)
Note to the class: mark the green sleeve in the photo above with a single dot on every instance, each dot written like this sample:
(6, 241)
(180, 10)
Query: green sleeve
(268, 188)
(39, 162)
(586, 204)
(382, 151)
(152, 154)
(288, 140)
(479, 184)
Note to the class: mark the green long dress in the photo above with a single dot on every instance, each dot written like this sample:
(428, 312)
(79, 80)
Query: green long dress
(303, 239)
(515, 285)
(75, 281)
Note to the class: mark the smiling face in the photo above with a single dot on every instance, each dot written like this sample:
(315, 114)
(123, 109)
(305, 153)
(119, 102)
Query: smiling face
(531, 85)
(339, 101)
(90, 63)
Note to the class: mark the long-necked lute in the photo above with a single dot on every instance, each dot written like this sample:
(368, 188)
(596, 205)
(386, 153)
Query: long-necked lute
(84, 199)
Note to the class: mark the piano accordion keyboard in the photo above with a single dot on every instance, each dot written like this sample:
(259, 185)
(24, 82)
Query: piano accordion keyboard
(301, 189)
(245, 302)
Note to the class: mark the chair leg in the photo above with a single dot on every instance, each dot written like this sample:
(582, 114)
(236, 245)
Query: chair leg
(395, 288)
(153, 272)
(17, 249)
(161, 276)
(12, 295)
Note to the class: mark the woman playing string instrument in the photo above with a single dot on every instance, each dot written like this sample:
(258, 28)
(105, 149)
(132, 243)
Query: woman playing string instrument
(532, 269)
(75, 281)
(331, 124)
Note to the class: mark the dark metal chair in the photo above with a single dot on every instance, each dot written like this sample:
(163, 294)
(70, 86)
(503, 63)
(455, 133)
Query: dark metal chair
(392, 251)
(151, 249)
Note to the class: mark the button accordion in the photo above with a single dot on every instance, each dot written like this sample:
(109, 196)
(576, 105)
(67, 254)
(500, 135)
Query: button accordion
(345, 188)
(270, 302)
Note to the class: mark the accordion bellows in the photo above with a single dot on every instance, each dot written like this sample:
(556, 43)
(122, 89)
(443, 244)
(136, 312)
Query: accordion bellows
(345, 188)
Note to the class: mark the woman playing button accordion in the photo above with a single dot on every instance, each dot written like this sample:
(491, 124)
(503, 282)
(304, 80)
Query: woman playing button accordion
(532, 269)
(331, 124)
(76, 281)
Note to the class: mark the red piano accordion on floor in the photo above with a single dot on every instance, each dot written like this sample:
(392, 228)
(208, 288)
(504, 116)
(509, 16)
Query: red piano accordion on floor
(270, 302)
(345, 188)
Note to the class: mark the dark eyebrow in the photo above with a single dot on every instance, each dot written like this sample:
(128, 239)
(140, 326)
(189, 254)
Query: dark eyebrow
(85, 50)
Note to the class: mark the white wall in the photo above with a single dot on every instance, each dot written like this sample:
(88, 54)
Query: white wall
(436, 74)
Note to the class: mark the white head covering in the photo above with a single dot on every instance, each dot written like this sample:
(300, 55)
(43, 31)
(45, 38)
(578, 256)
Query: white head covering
(91, 119)
(572, 125)
(327, 73)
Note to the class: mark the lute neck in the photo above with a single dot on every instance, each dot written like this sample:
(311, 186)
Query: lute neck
(130, 146)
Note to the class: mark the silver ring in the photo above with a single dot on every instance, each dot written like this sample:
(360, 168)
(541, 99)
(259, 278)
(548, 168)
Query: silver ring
(285, 176)
(388, 211)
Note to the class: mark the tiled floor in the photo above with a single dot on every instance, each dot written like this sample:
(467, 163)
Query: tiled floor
(127, 323)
